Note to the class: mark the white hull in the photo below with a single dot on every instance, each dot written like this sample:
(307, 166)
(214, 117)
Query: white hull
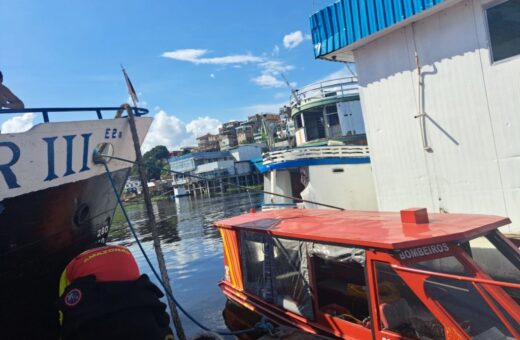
(473, 108)
(339, 176)
(53, 154)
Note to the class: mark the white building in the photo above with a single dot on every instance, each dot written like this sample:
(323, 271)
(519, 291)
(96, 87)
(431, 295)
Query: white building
(440, 93)
(247, 152)
(218, 168)
(133, 184)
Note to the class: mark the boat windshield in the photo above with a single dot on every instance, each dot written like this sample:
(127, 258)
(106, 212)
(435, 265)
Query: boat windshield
(495, 256)
(482, 310)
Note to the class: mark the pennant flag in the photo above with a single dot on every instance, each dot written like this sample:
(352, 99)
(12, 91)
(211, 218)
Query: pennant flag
(131, 90)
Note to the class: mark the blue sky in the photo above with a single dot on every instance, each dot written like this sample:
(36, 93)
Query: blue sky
(194, 63)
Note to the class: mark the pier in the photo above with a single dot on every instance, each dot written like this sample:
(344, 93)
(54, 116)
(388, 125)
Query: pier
(221, 185)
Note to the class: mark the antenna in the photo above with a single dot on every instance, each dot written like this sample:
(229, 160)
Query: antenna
(293, 90)
(354, 74)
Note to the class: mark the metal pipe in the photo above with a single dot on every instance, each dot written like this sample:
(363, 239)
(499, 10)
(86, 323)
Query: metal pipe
(421, 114)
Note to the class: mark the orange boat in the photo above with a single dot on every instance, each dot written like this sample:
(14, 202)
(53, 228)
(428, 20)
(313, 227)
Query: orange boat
(375, 275)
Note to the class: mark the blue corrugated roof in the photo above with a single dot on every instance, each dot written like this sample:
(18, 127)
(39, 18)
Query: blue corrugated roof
(201, 155)
(348, 21)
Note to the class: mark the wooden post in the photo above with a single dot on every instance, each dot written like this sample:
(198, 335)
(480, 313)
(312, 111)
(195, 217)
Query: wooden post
(151, 218)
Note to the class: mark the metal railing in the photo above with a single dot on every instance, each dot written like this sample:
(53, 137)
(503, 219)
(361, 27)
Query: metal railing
(325, 89)
(98, 110)
(315, 152)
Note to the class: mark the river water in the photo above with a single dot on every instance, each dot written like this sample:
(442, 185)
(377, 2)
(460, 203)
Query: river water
(192, 249)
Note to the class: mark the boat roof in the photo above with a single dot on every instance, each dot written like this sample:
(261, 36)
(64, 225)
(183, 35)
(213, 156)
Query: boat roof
(338, 29)
(385, 230)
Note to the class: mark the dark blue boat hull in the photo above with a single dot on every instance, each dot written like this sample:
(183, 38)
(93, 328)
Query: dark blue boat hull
(40, 232)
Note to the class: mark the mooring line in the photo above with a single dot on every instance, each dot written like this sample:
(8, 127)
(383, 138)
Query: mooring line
(262, 325)
(153, 166)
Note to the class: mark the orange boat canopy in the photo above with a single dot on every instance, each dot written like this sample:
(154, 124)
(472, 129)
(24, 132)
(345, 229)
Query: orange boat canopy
(384, 230)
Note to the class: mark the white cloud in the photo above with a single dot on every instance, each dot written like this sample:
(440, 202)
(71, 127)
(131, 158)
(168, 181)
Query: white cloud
(195, 56)
(270, 70)
(275, 67)
(294, 39)
(342, 73)
(203, 125)
(263, 108)
(267, 80)
(18, 123)
(173, 133)
(275, 51)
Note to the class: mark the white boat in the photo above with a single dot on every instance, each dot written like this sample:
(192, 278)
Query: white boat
(438, 82)
(180, 191)
(331, 163)
(54, 203)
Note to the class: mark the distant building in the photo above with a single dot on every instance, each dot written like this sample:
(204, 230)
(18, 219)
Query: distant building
(191, 161)
(209, 142)
(257, 137)
(213, 171)
(228, 135)
(256, 120)
(247, 152)
(133, 184)
(228, 128)
(188, 149)
(244, 134)
(227, 142)
(175, 153)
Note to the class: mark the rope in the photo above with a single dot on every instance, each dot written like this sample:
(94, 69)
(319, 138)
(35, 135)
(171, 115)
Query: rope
(153, 166)
(262, 325)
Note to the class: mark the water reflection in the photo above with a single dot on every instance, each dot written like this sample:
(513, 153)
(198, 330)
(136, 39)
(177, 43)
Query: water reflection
(192, 248)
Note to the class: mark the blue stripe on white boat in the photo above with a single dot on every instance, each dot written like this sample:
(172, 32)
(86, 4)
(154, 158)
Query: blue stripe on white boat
(313, 161)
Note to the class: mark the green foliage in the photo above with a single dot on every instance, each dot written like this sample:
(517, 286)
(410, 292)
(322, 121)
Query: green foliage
(157, 156)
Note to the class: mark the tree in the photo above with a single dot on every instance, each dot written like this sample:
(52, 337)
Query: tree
(157, 156)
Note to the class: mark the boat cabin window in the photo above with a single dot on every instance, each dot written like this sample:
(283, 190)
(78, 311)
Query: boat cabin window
(298, 120)
(497, 258)
(275, 269)
(503, 21)
(255, 270)
(400, 310)
(341, 285)
(469, 309)
(447, 265)
(290, 276)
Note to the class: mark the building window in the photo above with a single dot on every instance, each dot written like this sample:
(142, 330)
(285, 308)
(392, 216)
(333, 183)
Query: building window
(504, 29)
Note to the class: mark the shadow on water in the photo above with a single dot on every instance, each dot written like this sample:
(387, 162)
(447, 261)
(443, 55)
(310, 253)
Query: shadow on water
(191, 246)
